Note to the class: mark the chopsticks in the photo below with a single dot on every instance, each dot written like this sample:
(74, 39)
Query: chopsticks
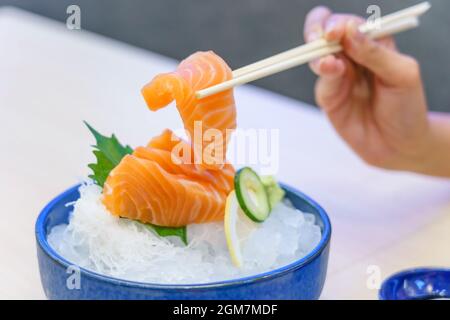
(391, 24)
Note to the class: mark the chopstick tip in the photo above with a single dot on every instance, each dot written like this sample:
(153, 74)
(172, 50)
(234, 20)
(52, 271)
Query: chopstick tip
(426, 6)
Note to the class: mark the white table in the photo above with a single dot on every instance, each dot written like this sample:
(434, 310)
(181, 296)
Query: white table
(52, 78)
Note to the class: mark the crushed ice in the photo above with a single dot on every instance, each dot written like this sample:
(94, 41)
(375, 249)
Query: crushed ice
(98, 241)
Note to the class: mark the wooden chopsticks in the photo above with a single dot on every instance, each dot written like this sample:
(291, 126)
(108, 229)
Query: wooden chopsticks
(391, 24)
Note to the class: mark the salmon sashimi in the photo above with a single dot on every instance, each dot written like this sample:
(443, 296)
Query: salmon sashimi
(208, 121)
(172, 182)
(155, 185)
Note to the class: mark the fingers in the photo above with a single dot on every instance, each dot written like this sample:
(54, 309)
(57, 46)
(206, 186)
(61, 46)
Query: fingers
(336, 24)
(315, 23)
(332, 87)
(388, 65)
(331, 66)
(314, 29)
(328, 66)
(331, 69)
(332, 27)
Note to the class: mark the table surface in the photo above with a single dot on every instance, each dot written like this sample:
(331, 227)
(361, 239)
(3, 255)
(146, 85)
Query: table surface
(52, 78)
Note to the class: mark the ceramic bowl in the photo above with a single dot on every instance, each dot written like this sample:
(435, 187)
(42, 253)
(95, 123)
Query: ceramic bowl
(302, 279)
(417, 284)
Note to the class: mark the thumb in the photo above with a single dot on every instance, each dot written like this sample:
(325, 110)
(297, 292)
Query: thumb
(391, 67)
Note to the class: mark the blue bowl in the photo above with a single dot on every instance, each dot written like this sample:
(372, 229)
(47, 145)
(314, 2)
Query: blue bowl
(302, 279)
(417, 284)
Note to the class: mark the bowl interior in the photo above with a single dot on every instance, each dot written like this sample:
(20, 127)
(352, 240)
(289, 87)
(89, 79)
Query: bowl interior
(307, 205)
(417, 284)
(59, 209)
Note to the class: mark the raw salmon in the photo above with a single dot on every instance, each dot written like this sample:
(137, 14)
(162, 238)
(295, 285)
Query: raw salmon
(208, 121)
(172, 182)
(154, 185)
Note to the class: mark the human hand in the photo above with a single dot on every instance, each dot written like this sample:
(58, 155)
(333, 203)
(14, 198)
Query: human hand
(372, 94)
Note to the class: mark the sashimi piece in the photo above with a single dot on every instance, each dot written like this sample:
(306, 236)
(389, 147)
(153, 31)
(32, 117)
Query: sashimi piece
(172, 182)
(181, 156)
(155, 185)
(208, 121)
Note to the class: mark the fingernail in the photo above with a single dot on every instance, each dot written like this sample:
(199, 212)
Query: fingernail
(330, 25)
(316, 33)
(313, 36)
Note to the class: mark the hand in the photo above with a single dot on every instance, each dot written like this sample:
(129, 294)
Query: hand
(372, 94)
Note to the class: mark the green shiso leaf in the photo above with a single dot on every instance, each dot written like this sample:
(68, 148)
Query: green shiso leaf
(180, 232)
(109, 152)
(275, 192)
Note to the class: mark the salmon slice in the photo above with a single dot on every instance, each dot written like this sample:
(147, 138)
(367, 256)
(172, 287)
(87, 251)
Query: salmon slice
(208, 121)
(159, 186)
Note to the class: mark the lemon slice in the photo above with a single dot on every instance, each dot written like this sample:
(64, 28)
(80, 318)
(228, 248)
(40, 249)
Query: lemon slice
(238, 227)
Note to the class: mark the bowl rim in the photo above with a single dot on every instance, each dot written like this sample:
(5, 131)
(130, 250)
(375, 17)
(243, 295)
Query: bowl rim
(41, 239)
(385, 294)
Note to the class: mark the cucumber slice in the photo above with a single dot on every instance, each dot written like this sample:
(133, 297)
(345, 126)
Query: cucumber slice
(251, 195)
(274, 191)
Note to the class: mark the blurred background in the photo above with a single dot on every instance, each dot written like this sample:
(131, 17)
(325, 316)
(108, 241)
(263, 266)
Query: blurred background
(51, 79)
(243, 31)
